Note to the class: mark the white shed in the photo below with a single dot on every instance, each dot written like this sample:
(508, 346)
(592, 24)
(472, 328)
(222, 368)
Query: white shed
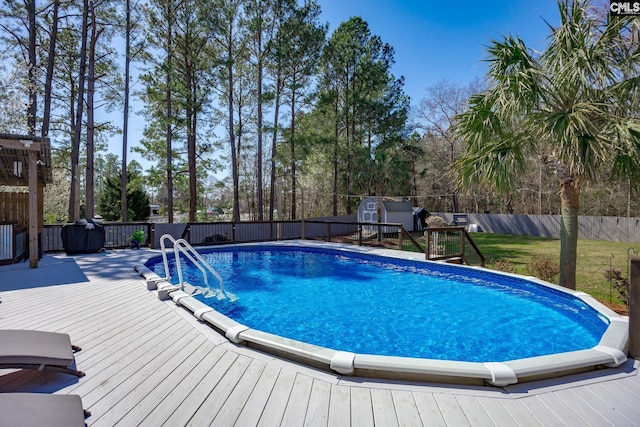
(392, 210)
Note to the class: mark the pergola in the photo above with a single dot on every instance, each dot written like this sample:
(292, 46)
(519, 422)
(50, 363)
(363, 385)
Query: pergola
(25, 161)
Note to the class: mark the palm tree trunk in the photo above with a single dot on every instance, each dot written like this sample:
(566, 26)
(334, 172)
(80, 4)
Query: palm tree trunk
(569, 199)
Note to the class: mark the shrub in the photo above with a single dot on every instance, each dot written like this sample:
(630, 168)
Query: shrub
(138, 235)
(435, 221)
(544, 267)
(621, 285)
(503, 265)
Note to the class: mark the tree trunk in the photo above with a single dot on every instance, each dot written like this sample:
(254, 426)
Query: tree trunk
(91, 84)
(234, 159)
(169, 114)
(569, 199)
(74, 194)
(274, 147)
(259, 183)
(32, 108)
(48, 82)
(336, 141)
(125, 118)
(191, 139)
(293, 151)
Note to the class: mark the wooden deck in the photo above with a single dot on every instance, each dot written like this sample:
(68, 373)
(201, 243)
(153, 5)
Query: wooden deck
(151, 363)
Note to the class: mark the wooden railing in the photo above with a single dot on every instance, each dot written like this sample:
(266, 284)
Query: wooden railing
(211, 233)
(116, 235)
(450, 244)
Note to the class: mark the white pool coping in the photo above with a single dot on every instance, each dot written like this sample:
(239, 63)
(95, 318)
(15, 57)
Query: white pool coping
(610, 352)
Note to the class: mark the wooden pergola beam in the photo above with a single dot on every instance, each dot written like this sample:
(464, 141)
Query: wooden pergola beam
(22, 144)
(33, 208)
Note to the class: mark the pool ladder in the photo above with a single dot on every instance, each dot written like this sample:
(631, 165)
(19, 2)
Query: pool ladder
(182, 246)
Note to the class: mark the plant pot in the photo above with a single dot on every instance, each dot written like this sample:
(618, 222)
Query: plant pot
(135, 244)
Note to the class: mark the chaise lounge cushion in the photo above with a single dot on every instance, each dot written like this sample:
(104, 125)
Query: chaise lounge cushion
(40, 410)
(50, 351)
(35, 347)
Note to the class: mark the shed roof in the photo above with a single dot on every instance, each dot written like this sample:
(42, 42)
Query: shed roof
(15, 148)
(394, 206)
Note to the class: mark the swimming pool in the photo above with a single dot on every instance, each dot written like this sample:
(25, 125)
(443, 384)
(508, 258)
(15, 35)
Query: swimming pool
(367, 313)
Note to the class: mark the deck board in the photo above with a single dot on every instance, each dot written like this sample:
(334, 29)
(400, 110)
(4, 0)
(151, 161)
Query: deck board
(567, 414)
(497, 411)
(319, 399)
(429, 410)
(406, 408)
(617, 396)
(229, 413)
(361, 409)
(478, 414)
(617, 415)
(277, 402)
(252, 410)
(114, 405)
(340, 406)
(592, 416)
(541, 412)
(148, 363)
(160, 410)
(218, 395)
(195, 398)
(134, 415)
(382, 402)
(296, 409)
(451, 410)
(523, 416)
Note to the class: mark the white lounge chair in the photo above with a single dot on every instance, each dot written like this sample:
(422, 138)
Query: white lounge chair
(41, 410)
(27, 349)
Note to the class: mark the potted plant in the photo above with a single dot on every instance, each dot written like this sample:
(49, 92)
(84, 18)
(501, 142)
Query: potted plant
(137, 238)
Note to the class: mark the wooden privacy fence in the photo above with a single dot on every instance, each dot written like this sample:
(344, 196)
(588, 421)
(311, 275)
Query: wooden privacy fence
(14, 207)
(608, 228)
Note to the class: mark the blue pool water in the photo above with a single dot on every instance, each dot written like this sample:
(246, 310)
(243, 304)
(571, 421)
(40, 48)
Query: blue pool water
(376, 305)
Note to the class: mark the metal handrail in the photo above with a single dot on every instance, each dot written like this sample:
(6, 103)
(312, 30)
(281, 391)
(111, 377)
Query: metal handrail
(181, 245)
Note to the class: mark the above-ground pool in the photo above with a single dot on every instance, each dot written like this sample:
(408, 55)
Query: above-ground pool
(360, 311)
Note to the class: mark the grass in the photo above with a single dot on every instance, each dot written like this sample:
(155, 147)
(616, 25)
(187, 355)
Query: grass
(516, 254)
(593, 258)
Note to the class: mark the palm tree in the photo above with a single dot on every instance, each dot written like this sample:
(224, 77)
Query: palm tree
(568, 104)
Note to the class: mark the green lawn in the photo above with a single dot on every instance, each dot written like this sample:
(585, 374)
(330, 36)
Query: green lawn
(593, 258)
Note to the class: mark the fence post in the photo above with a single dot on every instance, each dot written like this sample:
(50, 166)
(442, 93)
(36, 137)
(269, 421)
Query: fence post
(328, 232)
(427, 246)
(634, 308)
(151, 232)
(400, 237)
(359, 234)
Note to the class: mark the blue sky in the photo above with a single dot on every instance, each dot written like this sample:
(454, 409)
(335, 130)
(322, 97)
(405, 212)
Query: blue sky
(433, 40)
(436, 40)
